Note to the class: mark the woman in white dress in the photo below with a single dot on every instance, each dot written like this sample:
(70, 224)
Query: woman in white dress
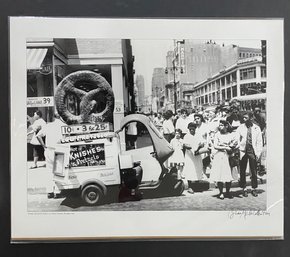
(221, 171)
(193, 167)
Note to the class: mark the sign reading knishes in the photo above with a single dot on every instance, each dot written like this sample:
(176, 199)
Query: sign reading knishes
(44, 101)
(86, 128)
(87, 155)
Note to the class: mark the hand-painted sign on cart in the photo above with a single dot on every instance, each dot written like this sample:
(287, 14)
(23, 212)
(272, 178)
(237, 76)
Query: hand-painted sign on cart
(86, 128)
(87, 155)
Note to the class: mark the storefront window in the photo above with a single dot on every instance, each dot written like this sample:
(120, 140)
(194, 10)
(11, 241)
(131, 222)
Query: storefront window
(40, 80)
(39, 88)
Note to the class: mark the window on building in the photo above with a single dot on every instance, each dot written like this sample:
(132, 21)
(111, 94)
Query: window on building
(228, 79)
(263, 72)
(229, 95)
(213, 97)
(249, 73)
(253, 88)
(240, 55)
(209, 98)
(223, 94)
(201, 90)
(206, 99)
(218, 83)
(234, 91)
(202, 100)
(263, 87)
(234, 77)
(213, 86)
(222, 82)
(205, 88)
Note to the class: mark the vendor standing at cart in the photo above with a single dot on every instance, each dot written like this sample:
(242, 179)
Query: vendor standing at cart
(53, 134)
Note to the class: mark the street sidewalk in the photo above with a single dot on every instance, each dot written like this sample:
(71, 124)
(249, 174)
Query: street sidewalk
(39, 179)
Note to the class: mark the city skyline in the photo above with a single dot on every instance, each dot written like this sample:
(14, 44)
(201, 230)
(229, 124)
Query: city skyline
(150, 54)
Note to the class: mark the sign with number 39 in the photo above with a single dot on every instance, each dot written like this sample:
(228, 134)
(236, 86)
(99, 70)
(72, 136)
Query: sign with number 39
(44, 101)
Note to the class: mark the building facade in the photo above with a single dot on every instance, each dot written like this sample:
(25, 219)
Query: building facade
(159, 81)
(49, 61)
(198, 61)
(140, 84)
(247, 77)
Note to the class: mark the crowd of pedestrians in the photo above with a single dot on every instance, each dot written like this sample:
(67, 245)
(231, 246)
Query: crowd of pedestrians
(220, 146)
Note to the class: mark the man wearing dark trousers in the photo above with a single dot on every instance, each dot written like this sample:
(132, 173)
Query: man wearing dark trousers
(250, 143)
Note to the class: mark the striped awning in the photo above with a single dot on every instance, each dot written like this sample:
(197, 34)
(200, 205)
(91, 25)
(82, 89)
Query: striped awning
(35, 57)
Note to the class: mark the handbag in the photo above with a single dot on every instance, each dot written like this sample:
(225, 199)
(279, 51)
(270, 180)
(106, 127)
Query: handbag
(234, 159)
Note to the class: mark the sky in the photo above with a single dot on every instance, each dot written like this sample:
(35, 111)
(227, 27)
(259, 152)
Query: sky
(150, 54)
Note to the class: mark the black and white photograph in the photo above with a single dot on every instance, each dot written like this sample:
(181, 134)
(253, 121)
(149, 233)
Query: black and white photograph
(133, 124)
(179, 122)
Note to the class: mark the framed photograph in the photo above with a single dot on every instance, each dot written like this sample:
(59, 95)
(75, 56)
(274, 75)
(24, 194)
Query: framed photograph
(125, 129)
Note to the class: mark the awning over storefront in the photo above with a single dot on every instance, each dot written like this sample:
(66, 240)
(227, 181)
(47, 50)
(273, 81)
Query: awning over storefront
(35, 57)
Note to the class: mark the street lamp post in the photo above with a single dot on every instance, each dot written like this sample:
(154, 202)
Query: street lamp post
(174, 87)
(174, 69)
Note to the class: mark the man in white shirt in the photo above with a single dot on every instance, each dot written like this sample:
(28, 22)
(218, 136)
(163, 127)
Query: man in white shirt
(168, 127)
(52, 132)
(250, 144)
(131, 135)
(37, 125)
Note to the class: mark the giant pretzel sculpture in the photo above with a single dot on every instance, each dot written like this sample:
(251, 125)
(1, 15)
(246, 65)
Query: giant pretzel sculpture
(91, 90)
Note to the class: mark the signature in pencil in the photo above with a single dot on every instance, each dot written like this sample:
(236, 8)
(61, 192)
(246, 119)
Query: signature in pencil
(246, 214)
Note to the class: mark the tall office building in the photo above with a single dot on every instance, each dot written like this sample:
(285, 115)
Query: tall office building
(140, 84)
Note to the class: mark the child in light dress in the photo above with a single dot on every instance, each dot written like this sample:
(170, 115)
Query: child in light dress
(177, 158)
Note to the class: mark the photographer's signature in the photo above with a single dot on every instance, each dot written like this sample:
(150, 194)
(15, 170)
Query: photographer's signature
(245, 214)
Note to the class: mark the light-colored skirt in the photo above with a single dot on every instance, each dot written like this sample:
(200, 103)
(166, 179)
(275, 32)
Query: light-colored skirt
(221, 170)
(177, 157)
(193, 167)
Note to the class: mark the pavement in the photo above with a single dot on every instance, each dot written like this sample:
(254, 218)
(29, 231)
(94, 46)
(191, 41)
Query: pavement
(39, 180)
(199, 201)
